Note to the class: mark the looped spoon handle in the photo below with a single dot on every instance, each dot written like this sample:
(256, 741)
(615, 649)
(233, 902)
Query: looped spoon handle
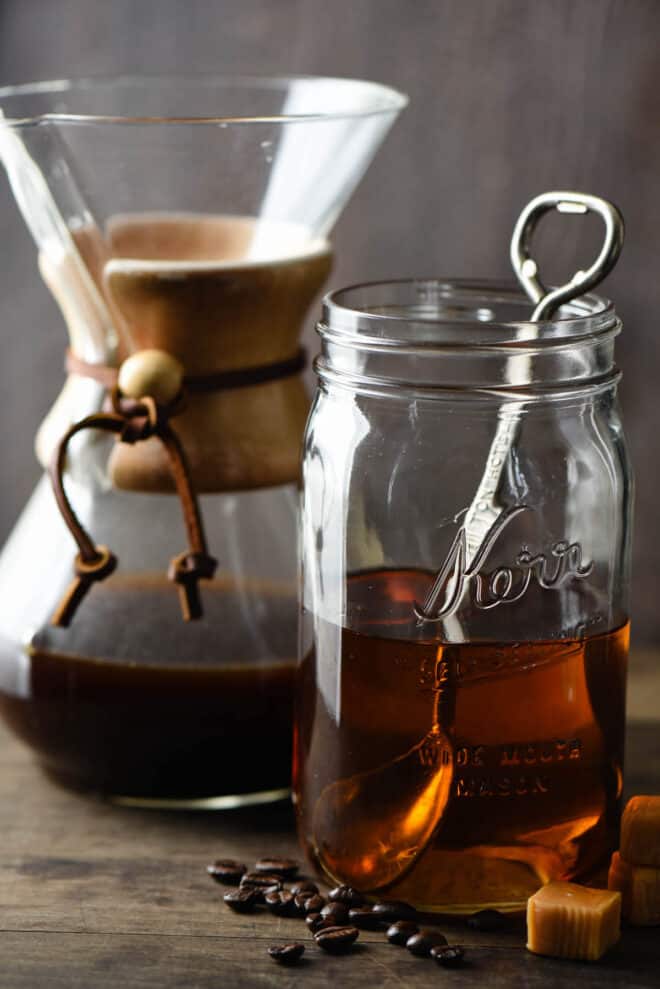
(526, 269)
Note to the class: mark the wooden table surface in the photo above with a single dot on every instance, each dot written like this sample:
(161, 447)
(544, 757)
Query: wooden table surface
(94, 895)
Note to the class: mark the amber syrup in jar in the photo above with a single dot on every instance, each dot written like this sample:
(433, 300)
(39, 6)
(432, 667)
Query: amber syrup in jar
(522, 788)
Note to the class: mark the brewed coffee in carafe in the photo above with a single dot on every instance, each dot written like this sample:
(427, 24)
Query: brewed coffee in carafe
(189, 246)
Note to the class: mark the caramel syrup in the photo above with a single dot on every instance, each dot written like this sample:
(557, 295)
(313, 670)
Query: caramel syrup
(532, 757)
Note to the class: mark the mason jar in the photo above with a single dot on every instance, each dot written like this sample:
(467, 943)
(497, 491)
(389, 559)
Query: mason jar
(466, 521)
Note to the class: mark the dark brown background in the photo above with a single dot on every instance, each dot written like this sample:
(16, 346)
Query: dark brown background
(508, 98)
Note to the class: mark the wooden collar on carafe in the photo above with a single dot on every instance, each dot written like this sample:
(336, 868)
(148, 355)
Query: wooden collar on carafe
(146, 392)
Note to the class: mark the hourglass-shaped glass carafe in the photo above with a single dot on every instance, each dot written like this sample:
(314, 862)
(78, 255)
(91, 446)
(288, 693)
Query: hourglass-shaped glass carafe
(181, 223)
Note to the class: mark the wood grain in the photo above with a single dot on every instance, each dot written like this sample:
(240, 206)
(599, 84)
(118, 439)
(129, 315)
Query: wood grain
(94, 895)
(507, 98)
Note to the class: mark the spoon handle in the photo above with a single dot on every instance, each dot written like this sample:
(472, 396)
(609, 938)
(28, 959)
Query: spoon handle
(485, 509)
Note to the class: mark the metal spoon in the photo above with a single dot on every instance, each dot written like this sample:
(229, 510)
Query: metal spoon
(370, 828)
(485, 509)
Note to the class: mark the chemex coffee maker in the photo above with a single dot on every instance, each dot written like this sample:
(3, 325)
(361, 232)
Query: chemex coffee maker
(148, 620)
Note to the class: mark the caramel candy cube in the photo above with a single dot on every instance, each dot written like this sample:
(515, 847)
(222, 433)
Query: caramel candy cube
(569, 921)
(640, 832)
(639, 886)
(619, 879)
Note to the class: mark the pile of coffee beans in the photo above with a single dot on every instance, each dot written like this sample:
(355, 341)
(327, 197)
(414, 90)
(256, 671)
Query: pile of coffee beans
(335, 921)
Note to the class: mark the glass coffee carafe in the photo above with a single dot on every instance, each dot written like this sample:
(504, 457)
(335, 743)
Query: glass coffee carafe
(181, 225)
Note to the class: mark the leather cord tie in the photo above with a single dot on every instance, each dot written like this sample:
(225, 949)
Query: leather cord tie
(200, 384)
(133, 421)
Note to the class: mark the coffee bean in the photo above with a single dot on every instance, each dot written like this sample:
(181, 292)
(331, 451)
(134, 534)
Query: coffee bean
(337, 912)
(399, 932)
(282, 867)
(313, 904)
(315, 922)
(336, 940)
(261, 892)
(304, 886)
(347, 895)
(280, 902)
(227, 871)
(391, 910)
(300, 900)
(488, 921)
(449, 956)
(261, 879)
(421, 943)
(243, 899)
(365, 919)
(287, 954)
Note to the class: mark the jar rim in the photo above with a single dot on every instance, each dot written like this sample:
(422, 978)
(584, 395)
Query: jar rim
(457, 315)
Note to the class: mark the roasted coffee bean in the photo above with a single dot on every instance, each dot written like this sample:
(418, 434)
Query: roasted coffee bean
(337, 912)
(425, 939)
(243, 899)
(287, 954)
(304, 886)
(336, 940)
(261, 879)
(366, 919)
(391, 910)
(449, 956)
(399, 932)
(347, 895)
(280, 902)
(488, 921)
(261, 892)
(284, 868)
(227, 871)
(315, 922)
(300, 900)
(313, 904)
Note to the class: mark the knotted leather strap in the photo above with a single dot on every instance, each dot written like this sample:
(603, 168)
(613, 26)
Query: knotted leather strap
(134, 421)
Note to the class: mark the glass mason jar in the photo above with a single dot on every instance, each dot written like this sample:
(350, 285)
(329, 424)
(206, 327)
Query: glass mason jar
(465, 567)
(190, 216)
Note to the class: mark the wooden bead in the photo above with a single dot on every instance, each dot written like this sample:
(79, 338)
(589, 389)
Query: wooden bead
(152, 373)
